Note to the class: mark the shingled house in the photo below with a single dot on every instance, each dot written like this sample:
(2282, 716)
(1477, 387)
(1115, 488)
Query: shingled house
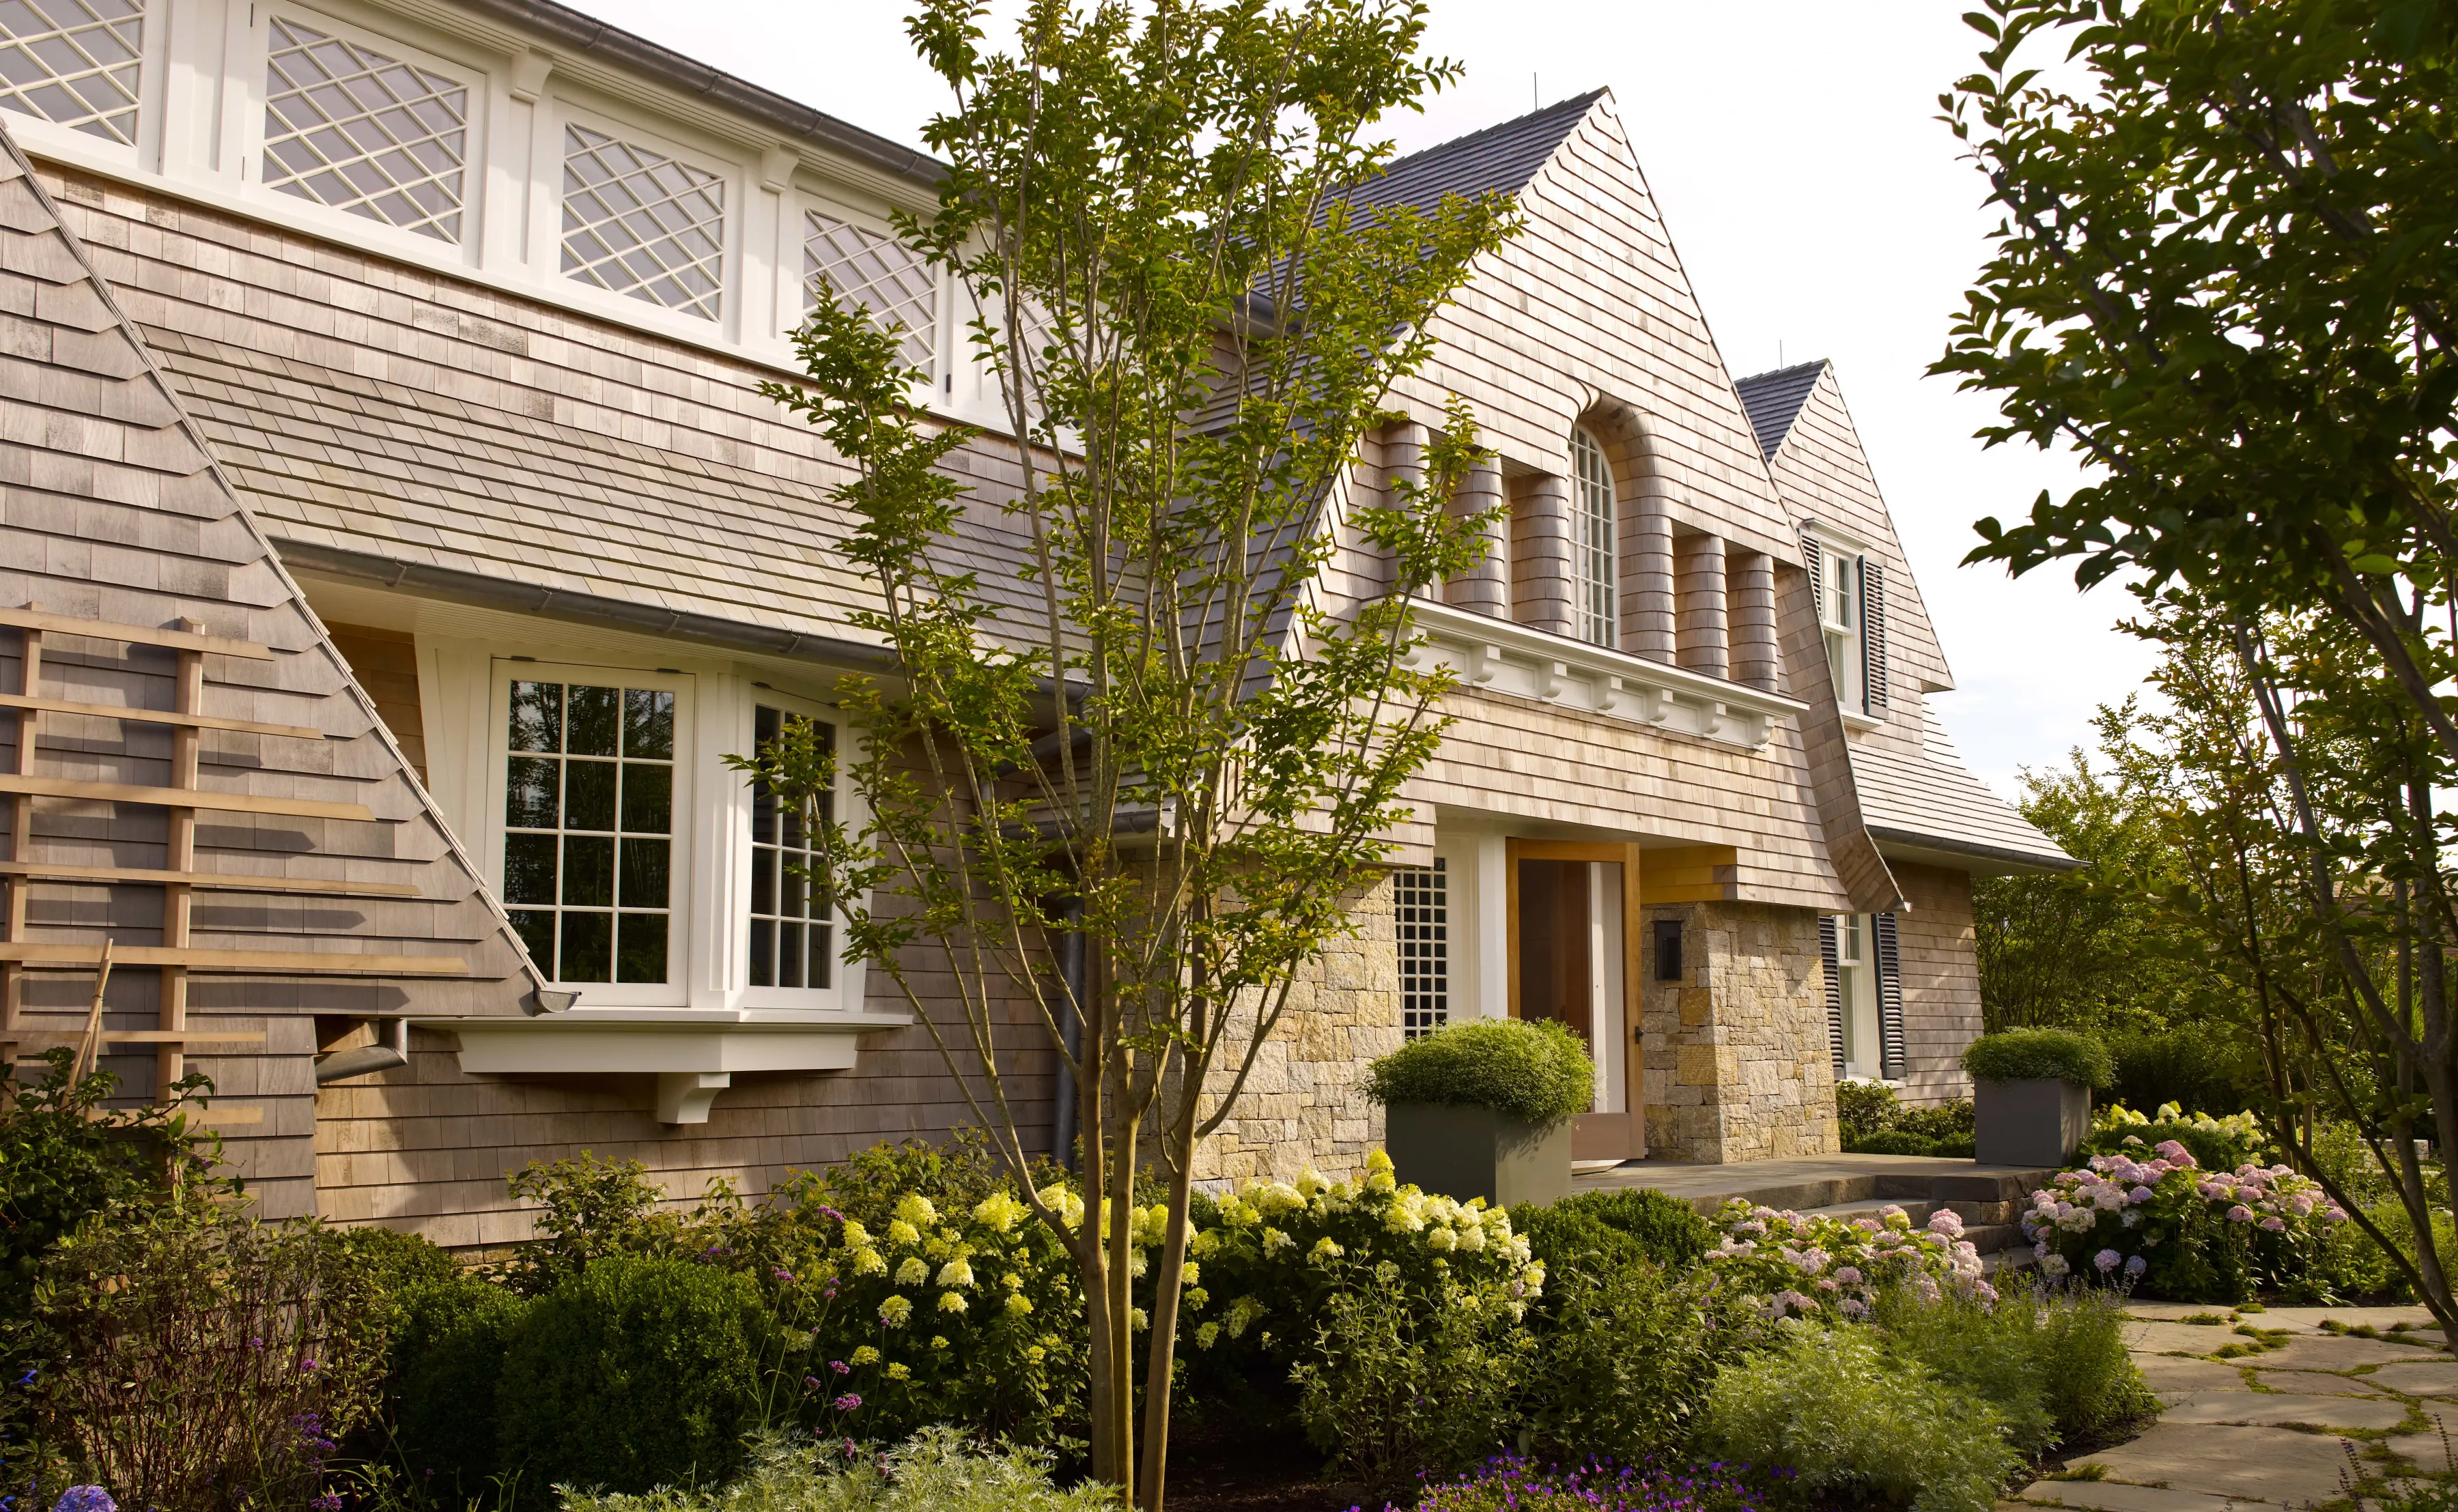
(393, 544)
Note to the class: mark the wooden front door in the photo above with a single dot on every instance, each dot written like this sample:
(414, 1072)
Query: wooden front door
(1575, 936)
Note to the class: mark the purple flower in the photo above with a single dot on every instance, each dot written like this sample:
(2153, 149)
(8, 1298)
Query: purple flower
(839, 1367)
(329, 1501)
(2136, 1265)
(85, 1499)
(306, 1362)
(848, 1402)
(781, 1272)
(26, 1379)
(2107, 1260)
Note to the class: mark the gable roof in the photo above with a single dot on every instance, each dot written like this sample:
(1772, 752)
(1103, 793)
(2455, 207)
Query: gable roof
(1774, 400)
(1499, 159)
(1919, 801)
(315, 847)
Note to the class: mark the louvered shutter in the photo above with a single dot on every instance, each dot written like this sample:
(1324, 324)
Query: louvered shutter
(1891, 998)
(1810, 555)
(1873, 636)
(1829, 952)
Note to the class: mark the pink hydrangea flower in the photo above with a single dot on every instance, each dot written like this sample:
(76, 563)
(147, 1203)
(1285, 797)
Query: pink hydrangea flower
(2107, 1260)
(2239, 1214)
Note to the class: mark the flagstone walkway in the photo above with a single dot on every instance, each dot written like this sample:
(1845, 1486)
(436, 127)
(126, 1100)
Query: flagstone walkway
(2260, 1405)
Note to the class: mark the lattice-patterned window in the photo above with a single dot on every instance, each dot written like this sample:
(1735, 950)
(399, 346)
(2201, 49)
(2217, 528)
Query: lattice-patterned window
(345, 126)
(638, 222)
(588, 822)
(877, 273)
(1421, 898)
(792, 942)
(1594, 618)
(75, 62)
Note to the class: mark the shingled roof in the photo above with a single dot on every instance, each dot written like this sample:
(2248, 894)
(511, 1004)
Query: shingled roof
(1930, 802)
(1774, 401)
(1499, 159)
(322, 880)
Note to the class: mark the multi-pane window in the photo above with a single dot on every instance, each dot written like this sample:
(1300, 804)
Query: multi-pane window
(589, 809)
(638, 222)
(877, 273)
(1421, 899)
(1839, 618)
(792, 943)
(1594, 618)
(345, 126)
(74, 62)
(1852, 994)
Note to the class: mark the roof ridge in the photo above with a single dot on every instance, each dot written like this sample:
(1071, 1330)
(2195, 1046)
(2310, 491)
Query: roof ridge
(1780, 372)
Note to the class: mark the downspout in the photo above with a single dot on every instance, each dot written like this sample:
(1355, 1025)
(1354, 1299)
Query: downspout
(1071, 1031)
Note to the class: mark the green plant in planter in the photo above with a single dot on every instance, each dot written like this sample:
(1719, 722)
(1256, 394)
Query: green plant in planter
(2024, 1055)
(1536, 1071)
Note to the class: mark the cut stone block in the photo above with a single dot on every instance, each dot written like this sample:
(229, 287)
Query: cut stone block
(2265, 1465)
(2417, 1378)
(2269, 1409)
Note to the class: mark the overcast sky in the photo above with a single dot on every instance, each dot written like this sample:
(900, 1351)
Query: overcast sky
(1819, 206)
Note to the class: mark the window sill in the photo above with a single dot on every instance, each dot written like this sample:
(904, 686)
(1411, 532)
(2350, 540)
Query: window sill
(693, 1052)
(1861, 723)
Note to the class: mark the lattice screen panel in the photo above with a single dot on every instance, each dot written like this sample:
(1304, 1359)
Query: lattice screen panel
(1421, 898)
(358, 131)
(878, 273)
(640, 224)
(74, 62)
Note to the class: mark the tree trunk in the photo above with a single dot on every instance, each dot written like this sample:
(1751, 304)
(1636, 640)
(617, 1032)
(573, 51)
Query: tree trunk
(1165, 1289)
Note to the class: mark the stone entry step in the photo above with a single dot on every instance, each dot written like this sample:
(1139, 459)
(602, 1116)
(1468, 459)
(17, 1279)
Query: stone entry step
(1986, 1198)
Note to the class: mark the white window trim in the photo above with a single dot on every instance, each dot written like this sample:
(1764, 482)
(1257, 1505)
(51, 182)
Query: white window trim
(51, 139)
(842, 975)
(546, 219)
(247, 95)
(1860, 978)
(681, 917)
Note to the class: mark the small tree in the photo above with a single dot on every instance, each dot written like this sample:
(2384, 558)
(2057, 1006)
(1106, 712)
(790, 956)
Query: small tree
(2223, 275)
(1163, 736)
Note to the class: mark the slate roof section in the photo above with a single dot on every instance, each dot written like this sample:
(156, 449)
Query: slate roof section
(112, 509)
(1929, 801)
(1774, 401)
(1499, 159)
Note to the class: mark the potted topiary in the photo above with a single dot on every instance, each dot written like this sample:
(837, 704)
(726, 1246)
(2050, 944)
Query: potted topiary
(1483, 1108)
(2030, 1098)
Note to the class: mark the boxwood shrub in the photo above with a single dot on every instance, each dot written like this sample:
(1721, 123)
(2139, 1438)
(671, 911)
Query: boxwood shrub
(2022, 1055)
(1616, 1227)
(1535, 1071)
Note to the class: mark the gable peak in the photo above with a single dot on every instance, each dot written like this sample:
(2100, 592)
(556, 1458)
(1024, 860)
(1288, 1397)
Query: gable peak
(1774, 400)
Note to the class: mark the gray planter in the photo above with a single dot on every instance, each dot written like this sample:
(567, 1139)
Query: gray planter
(2036, 1121)
(1463, 1152)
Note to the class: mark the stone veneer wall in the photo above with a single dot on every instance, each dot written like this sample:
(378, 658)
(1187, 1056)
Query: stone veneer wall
(1303, 1105)
(1737, 1065)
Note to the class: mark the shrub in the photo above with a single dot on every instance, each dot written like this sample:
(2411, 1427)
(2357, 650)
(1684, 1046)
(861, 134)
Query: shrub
(1863, 1109)
(1536, 1071)
(2091, 1384)
(198, 1359)
(2020, 1055)
(2051, 1361)
(2216, 1144)
(2191, 1067)
(447, 1355)
(1874, 1123)
(935, 1471)
(1625, 1350)
(1790, 1264)
(634, 1373)
(1398, 1381)
(593, 1208)
(2180, 1232)
(1512, 1483)
(1617, 1227)
(1831, 1405)
(393, 1261)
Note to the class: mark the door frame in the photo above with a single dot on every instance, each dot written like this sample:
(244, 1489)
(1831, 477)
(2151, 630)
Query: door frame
(1595, 1136)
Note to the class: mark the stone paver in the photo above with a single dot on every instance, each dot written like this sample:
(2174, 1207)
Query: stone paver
(2385, 1318)
(2172, 1377)
(2269, 1465)
(2181, 1338)
(2417, 1378)
(2270, 1409)
(2314, 1382)
(2324, 1351)
(2115, 1496)
(2426, 1451)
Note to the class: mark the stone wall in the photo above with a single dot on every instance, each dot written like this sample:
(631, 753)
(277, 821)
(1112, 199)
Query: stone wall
(1737, 1065)
(1303, 1105)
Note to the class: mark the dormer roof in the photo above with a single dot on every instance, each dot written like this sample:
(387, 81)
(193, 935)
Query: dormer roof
(1775, 400)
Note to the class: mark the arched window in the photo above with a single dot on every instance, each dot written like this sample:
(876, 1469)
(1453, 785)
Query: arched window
(1594, 614)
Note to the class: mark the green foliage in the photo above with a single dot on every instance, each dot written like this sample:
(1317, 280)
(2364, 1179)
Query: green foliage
(1534, 1071)
(1874, 1123)
(2089, 1381)
(1625, 1352)
(2212, 1148)
(447, 1357)
(2015, 1055)
(394, 1261)
(2202, 1066)
(195, 1358)
(1616, 1227)
(1402, 1381)
(2051, 1362)
(1847, 1418)
(936, 1470)
(633, 1373)
(593, 1208)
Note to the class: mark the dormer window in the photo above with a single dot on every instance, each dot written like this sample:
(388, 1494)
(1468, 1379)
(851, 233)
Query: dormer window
(1839, 621)
(1851, 589)
(1595, 616)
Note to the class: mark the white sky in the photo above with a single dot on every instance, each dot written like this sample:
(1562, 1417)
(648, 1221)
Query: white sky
(1819, 206)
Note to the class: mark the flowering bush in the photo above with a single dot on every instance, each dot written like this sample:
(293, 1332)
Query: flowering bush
(2178, 1231)
(1795, 1265)
(2217, 1144)
(936, 1470)
(1512, 1483)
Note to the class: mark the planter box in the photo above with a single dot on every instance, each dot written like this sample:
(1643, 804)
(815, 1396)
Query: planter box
(2036, 1121)
(1462, 1152)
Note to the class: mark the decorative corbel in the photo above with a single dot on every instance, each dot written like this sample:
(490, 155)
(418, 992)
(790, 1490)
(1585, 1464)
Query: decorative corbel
(1483, 663)
(777, 167)
(1552, 680)
(529, 75)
